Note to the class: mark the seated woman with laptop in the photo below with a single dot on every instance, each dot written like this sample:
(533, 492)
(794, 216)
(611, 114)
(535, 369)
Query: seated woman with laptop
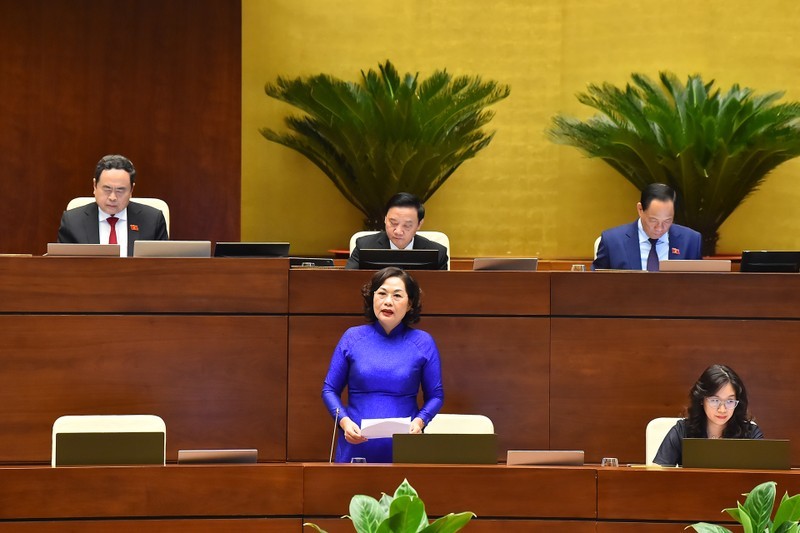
(718, 409)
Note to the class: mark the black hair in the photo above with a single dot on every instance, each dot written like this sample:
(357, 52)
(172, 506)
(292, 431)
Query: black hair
(708, 384)
(111, 162)
(406, 199)
(412, 290)
(656, 191)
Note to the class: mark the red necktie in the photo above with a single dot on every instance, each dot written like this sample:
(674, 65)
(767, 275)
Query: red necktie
(112, 238)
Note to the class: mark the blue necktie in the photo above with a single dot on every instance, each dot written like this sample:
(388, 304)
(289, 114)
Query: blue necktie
(652, 258)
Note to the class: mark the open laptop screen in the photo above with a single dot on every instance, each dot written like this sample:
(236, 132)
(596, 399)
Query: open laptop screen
(408, 259)
(746, 454)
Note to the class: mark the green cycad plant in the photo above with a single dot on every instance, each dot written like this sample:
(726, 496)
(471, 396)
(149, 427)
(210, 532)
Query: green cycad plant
(402, 513)
(713, 148)
(755, 514)
(387, 133)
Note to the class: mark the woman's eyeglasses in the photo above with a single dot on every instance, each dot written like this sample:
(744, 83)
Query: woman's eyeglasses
(714, 403)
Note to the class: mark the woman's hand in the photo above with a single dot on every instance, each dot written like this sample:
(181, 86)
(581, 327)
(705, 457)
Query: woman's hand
(352, 433)
(416, 426)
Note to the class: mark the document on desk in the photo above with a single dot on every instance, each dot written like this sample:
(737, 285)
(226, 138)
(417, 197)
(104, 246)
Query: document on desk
(382, 428)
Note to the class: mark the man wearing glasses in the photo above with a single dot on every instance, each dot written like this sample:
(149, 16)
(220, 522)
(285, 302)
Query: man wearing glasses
(113, 218)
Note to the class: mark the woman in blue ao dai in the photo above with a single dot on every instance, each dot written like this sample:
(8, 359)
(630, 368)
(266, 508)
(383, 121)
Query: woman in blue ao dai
(383, 365)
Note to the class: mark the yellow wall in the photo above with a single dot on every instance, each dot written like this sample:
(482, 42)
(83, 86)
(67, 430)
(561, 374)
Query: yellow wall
(522, 195)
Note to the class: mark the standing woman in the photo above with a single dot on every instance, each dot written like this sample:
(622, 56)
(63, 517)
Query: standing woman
(383, 365)
(717, 410)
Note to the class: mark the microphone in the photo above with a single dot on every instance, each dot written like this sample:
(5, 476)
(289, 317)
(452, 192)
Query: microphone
(333, 439)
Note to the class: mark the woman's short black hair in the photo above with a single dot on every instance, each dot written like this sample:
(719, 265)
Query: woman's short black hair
(412, 290)
(708, 384)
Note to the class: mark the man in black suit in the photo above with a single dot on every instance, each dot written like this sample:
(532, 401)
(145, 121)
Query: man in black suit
(404, 217)
(113, 218)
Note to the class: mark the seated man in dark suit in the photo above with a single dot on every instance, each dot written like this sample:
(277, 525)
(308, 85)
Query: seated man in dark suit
(404, 216)
(113, 218)
(653, 237)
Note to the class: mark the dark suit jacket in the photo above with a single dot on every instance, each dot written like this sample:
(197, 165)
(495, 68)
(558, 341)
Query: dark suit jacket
(619, 247)
(80, 225)
(381, 241)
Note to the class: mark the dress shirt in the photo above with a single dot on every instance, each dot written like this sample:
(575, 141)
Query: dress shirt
(393, 246)
(121, 228)
(662, 246)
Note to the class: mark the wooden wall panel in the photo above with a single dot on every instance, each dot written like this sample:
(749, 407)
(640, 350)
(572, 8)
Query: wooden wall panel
(217, 381)
(207, 525)
(159, 82)
(489, 491)
(142, 285)
(676, 294)
(128, 492)
(609, 377)
(444, 293)
(478, 525)
(491, 365)
(686, 495)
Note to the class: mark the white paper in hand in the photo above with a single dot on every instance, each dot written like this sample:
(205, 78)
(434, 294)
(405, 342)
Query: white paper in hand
(382, 428)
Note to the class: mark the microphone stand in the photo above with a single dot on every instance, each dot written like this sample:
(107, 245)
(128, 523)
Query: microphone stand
(333, 438)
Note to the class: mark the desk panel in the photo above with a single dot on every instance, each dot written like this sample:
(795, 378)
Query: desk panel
(181, 525)
(621, 373)
(685, 495)
(143, 285)
(444, 293)
(488, 491)
(676, 294)
(478, 525)
(495, 366)
(171, 491)
(217, 381)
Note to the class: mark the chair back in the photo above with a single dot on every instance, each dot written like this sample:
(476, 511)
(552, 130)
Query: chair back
(452, 423)
(158, 203)
(654, 435)
(596, 246)
(122, 425)
(435, 236)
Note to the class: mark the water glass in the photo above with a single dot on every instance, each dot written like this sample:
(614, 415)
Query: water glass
(609, 461)
(358, 460)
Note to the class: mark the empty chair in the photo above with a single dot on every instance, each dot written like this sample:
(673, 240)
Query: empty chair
(158, 203)
(109, 439)
(452, 423)
(656, 430)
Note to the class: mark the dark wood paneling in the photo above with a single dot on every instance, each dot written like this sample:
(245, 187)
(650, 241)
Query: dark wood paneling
(478, 525)
(207, 525)
(217, 381)
(609, 377)
(676, 294)
(126, 492)
(159, 82)
(143, 285)
(507, 379)
(444, 293)
(488, 491)
(686, 495)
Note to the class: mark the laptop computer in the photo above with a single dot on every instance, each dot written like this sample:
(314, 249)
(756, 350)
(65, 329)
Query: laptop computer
(422, 259)
(243, 455)
(445, 448)
(545, 457)
(695, 265)
(505, 263)
(109, 448)
(747, 454)
(63, 249)
(172, 249)
(251, 249)
(770, 261)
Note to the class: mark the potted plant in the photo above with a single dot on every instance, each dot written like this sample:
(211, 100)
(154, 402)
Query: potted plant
(387, 133)
(755, 514)
(402, 513)
(713, 148)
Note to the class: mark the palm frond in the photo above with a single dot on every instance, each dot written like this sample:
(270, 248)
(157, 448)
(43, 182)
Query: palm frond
(714, 148)
(388, 132)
